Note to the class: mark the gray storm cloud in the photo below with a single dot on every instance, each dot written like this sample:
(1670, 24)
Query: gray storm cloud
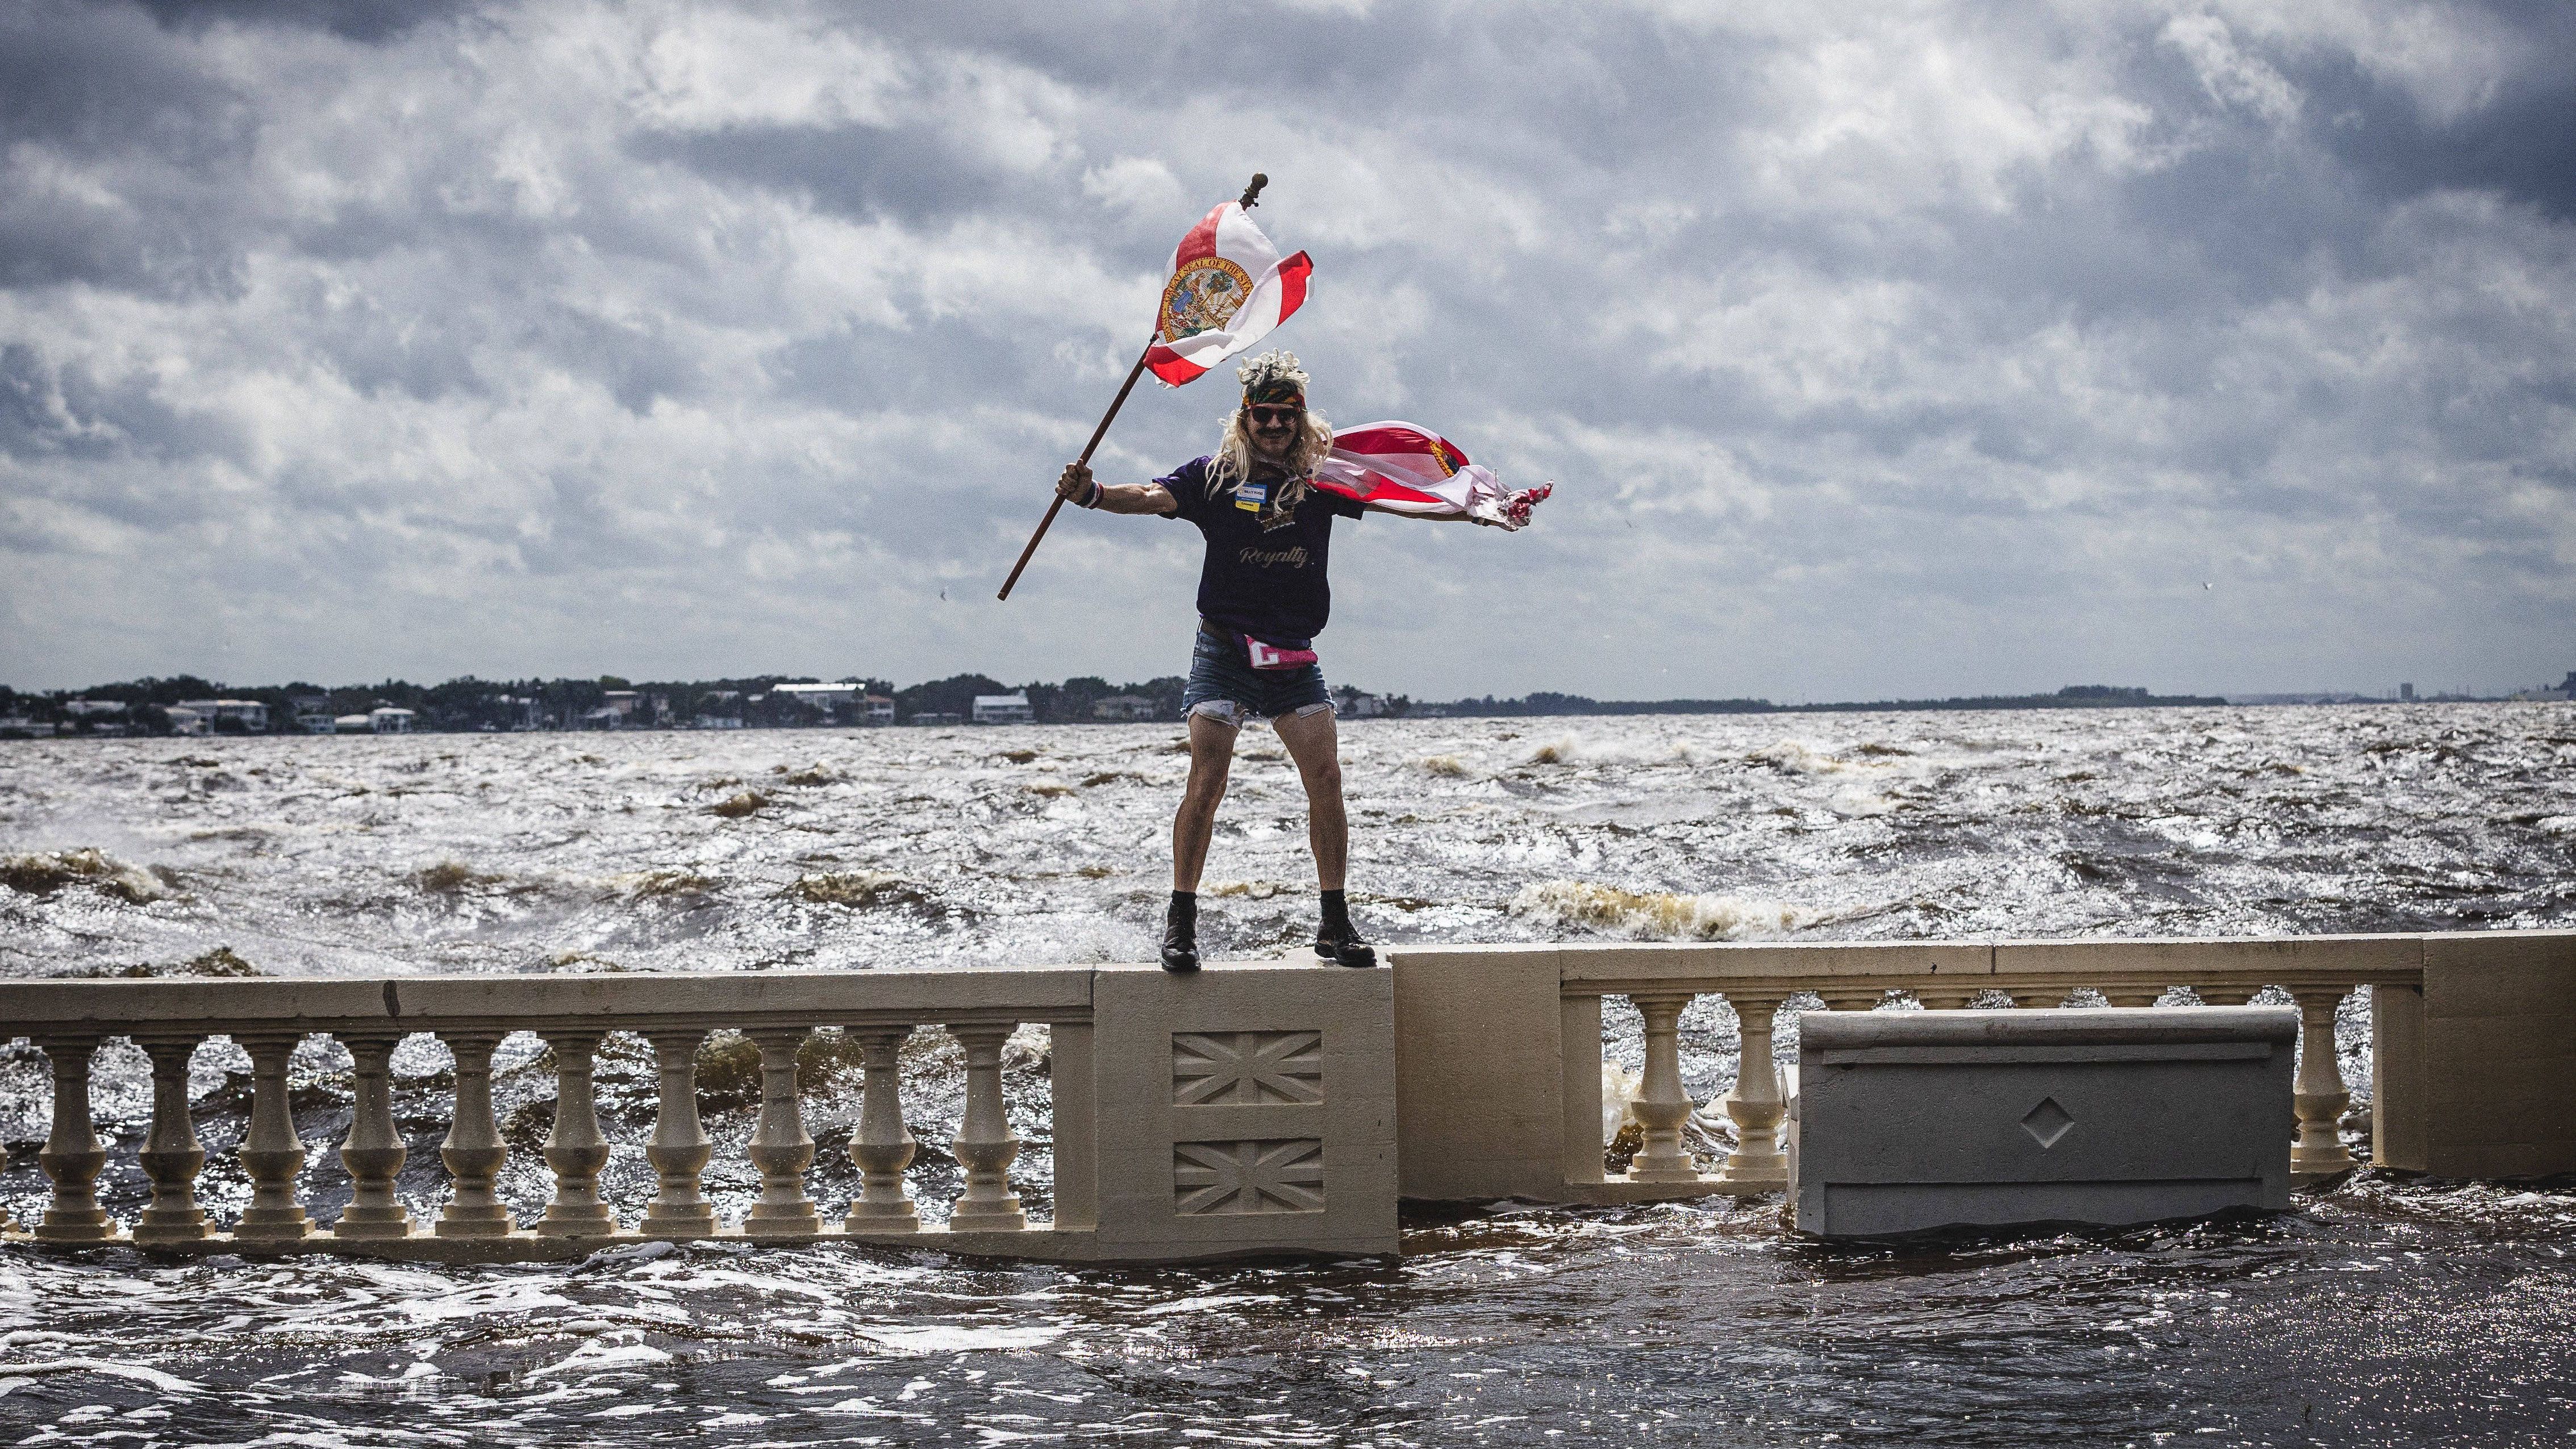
(1874, 349)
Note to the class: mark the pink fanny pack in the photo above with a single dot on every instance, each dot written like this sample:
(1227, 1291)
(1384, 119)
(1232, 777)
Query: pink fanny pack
(1271, 656)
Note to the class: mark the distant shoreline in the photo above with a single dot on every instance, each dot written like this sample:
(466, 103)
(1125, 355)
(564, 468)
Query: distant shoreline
(189, 706)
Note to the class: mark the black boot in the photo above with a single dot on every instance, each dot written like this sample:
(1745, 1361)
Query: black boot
(1337, 940)
(1181, 934)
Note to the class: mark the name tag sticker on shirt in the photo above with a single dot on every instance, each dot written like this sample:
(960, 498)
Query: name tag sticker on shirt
(1251, 496)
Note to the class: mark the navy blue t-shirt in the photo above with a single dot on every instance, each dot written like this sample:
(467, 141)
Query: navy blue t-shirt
(1264, 574)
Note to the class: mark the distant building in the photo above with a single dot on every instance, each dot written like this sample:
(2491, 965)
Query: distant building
(19, 727)
(249, 714)
(876, 709)
(1002, 709)
(935, 717)
(317, 724)
(184, 720)
(304, 704)
(822, 698)
(388, 720)
(624, 701)
(604, 717)
(353, 724)
(87, 708)
(1124, 706)
(717, 722)
(2406, 692)
(1357, 703)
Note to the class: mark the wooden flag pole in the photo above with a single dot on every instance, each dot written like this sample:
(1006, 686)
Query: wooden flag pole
(1251, 199)
(1097, 434)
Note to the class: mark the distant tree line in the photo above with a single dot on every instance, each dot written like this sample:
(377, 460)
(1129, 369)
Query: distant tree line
(470, 703)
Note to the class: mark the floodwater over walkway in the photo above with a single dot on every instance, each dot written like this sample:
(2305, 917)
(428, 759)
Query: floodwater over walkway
(2383, 1312)
(2380, 1314)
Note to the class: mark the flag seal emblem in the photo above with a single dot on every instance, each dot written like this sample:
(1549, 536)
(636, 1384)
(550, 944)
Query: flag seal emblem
(1203, 296)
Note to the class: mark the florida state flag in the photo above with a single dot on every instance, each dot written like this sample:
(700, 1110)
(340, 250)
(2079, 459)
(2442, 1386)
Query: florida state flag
(1407, 469)
(1229, 287)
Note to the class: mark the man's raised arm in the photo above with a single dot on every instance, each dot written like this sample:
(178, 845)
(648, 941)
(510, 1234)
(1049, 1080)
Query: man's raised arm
(1078, 488)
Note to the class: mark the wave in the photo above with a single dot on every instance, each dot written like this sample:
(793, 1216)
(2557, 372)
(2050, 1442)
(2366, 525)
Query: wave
(45, 872)
(1658, 915)
(1582, 750)
(866, 890)
(1797, 757)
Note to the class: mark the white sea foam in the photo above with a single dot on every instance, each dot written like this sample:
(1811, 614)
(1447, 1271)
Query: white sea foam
(949, 1338)
(19, 1375)
(601, 1356)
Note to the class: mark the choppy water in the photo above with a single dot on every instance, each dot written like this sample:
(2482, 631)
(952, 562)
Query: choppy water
(2382, 1313)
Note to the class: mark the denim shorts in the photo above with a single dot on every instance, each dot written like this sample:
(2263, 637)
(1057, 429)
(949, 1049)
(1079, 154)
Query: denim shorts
(1225, 687)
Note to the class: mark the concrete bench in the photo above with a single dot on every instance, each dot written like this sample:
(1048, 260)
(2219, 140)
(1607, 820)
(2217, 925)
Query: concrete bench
(1908, 1122)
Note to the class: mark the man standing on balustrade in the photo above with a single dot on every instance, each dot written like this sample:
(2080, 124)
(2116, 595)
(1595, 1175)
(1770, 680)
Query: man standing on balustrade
(1265, 502)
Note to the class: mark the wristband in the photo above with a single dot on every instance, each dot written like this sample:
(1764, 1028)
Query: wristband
(1098, 492)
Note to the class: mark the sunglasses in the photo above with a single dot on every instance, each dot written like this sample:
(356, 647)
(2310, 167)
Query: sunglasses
(1265, 415)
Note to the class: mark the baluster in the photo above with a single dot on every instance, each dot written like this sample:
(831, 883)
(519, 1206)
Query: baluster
(373, 1152)
(882, 1146)
(72, 1155)
(574, 1148)
(271, 1152)
(780, 1147)
(680, 1148)
(1662, 1106)
(171, 1156)
(473, 1151)
(2320, 1095)
(1757, 1164)
(984, 1142)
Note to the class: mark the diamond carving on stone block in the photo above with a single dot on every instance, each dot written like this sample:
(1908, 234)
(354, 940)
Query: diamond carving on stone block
(1274, 1176)
(2047, 1122)
(1247, 1067)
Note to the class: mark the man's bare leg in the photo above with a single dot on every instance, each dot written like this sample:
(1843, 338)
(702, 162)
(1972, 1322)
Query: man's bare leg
(1211, 758)
(1193, 825)
(1315, 745)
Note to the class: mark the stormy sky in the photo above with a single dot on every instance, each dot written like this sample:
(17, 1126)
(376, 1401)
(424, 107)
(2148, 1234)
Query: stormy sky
(1874, 349)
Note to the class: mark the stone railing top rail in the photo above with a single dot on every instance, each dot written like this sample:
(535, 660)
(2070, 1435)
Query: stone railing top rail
(2256, 961)
(608, 1002)
(1064, 993)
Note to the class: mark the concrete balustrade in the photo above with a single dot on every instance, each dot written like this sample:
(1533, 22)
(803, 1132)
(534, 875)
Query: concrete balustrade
(171, 1156)
(1306, 1164)
(72, 1155)
(1252, 1108)
(473, 1152)
(2473, 1046)
(882, 1147)
(576, 1151)
(680, 1150)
